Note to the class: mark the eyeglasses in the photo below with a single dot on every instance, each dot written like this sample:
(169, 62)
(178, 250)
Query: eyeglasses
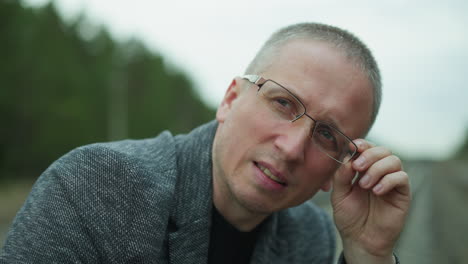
(286, 106)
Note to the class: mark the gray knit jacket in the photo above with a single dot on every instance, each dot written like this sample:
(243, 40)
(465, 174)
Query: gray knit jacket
(146, 201)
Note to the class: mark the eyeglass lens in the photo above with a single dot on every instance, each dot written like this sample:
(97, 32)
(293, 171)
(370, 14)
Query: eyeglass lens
(286, 106)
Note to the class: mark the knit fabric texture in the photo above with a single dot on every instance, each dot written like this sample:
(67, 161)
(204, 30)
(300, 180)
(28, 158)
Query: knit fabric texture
(146, 201)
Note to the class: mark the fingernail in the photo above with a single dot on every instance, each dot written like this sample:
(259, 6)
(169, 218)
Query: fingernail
(378, 188)
(360, 161)
(364, 180)
(358, 143)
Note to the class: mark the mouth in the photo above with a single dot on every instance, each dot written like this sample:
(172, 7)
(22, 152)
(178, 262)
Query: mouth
(270, 174)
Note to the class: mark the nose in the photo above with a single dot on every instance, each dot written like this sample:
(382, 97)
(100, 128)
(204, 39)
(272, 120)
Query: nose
(294, 139)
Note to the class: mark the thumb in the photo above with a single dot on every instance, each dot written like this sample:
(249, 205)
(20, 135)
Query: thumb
(344, 176)
(343, 181)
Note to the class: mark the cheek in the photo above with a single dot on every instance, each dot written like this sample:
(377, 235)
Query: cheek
(254, 124)
(239, 132)
(319, 168)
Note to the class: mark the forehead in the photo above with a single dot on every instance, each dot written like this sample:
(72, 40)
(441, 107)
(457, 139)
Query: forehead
(331, 86)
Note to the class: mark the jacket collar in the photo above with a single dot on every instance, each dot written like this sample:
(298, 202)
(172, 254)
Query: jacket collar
(190, 223)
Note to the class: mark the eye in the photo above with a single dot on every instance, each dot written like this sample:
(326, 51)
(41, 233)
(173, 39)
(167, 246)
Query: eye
(326, 138)
(283, 102)
(280, 101)
(327, 135)
(285, 107)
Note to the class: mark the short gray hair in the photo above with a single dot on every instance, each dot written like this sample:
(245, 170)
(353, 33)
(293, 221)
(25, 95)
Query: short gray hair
(352, 46)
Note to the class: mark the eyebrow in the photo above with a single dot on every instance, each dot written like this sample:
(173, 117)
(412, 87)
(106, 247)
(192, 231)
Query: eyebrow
(327, 120)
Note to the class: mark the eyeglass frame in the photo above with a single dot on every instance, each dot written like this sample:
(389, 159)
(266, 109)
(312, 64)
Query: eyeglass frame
(260, 81)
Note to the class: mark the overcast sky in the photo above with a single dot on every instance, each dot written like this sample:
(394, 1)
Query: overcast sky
(421, 47)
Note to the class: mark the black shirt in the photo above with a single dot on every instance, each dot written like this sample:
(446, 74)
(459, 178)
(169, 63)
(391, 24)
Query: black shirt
(229, 245)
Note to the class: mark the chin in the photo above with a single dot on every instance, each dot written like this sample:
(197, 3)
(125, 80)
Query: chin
(257, 203)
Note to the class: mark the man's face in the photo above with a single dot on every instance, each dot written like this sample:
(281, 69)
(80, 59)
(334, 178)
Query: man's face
(262, 165)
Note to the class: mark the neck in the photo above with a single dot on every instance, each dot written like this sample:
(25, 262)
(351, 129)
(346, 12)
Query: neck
(234, 213)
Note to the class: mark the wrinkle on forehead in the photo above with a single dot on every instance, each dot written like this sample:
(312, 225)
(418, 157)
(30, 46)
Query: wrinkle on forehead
(340, 109)
(330, 84)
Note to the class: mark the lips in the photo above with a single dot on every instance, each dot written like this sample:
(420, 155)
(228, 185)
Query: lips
(270, 174)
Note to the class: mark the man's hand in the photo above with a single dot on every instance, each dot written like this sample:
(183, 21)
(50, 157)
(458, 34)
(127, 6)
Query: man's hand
(370, 212)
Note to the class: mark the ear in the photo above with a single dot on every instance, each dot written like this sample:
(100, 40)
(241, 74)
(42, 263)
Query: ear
(326, 186)
(231, 95)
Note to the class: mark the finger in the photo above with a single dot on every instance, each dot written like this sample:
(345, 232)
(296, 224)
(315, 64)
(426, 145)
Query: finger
(369, 157)
(398, 181)
(378, 170)
(363, 144)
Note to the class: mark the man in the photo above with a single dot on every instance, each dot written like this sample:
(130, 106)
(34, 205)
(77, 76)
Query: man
(235, 190)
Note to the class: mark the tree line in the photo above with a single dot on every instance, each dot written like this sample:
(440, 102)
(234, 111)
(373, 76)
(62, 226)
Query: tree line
(69, 83)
